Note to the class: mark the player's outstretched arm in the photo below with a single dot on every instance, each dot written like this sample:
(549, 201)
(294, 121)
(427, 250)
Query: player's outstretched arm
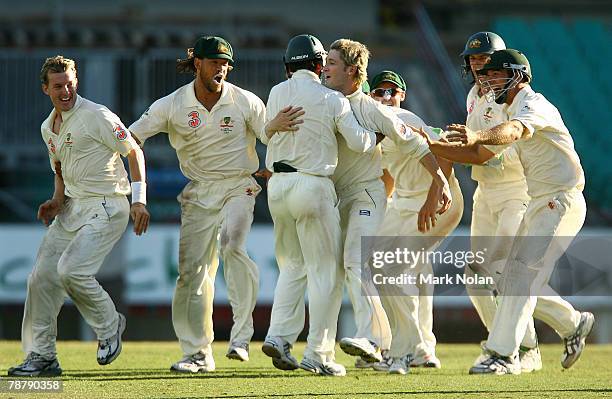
(138, 210)
(504, 133)
(468, 154)
(287, 120)
(50, 208)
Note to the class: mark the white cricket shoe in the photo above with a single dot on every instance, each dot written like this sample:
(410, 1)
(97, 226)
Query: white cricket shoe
(574, 344)
(280, 352)
(484, 355)
(531, 359)
(427, 361)
(109, 349)
(400, 365)
(36, 365)
(498, 365)
(197, 363)
(328, 368)
(385, 363)
(361, 347)
(238, 351)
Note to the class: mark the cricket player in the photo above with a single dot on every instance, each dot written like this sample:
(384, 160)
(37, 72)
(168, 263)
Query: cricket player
(500, 199)
(411, 314)
(361, 192)
(304, 208)
(213, 125)
(555, 214)
(88, 213)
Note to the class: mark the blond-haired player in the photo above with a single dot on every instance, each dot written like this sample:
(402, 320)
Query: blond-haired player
(303, 204)
(85, 142)
(362, 194)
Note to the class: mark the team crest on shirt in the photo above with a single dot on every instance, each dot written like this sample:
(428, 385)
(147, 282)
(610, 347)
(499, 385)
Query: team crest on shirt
(68, 141)
(120, 133)
(403, 131)
(226, 125)
(51, 145)
(194, 119)
(488, 114)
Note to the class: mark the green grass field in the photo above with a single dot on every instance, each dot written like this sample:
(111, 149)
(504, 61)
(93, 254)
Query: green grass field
(142, 371)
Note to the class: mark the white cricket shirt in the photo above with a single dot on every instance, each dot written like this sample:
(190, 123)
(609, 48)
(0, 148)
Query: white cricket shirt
(412, 180)
(548, 156)
(89, 146)
(353, 167)
(313, 149)
(504, 171)
(210, 145)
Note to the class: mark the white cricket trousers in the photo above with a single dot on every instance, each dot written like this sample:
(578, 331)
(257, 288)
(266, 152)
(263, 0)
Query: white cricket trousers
(71, 253)
(496, 216)
(411, 313)
(362, 210)
(215, 217)
(545, 233)
(307, 246)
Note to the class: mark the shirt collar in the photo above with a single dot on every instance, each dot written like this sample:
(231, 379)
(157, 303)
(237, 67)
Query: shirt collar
(518, 99)
(305, 74)
(77, 104)
(65, 115)
(355, 94)
(192, 100)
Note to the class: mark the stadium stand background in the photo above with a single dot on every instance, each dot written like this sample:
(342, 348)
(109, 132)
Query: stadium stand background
(126, 53)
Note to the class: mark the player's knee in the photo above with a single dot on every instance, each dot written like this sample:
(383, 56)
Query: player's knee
(67, 276)
(232, 239)
(39, 280)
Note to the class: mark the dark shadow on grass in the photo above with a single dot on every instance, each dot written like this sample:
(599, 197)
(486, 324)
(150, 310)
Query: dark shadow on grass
(122, 375)
(143, 370)
(378, 393)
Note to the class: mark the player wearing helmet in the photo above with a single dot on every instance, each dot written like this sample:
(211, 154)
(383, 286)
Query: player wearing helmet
(555, 214)
(303, 204)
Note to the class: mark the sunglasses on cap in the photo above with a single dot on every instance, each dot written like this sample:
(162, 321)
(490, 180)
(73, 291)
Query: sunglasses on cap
(386, 92)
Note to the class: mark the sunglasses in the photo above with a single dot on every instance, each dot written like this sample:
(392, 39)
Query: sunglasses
(386, 92)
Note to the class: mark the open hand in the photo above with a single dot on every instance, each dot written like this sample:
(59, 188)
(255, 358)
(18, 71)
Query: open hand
(287, 119)
(48, 210)
(461, 134)
(140, 217)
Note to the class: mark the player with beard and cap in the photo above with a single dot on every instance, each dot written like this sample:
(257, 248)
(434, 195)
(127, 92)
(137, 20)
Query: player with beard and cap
(213, 125)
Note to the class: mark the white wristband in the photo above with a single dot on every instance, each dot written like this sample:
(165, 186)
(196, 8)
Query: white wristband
(139, 192)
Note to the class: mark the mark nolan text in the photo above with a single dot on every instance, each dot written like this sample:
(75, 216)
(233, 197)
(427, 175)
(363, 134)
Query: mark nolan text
(404, 279)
